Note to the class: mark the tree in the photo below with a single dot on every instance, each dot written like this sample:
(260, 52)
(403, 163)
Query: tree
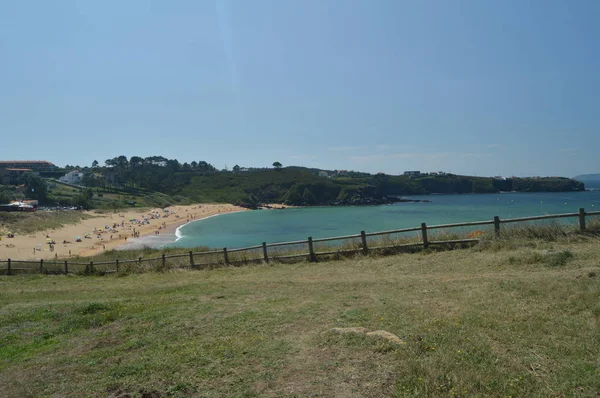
(94, 164)
(122, 162)
(236, 168)
(277, 165)
(36, 187)
(194, 164)
(84, 199)
(4, 198)
(88, 180)
(136, 161)
(204, 166)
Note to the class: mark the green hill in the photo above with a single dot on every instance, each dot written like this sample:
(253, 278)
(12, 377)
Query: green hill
(158, 181)
(297, 186)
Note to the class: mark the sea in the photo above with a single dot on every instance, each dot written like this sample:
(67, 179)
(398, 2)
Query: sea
(249, 228)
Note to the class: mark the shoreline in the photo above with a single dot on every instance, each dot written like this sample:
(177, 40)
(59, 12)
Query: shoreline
(107, 231)
(171, 230)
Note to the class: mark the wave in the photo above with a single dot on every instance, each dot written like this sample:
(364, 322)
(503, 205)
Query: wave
(179, 234)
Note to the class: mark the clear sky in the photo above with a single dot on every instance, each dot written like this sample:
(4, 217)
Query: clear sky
(471, 87)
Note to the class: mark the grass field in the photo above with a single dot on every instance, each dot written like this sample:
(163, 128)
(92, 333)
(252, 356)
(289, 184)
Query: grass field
(496, 320)
(114, 199)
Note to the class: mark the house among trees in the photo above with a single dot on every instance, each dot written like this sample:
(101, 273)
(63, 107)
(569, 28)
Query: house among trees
(412, 174)
(72, 177)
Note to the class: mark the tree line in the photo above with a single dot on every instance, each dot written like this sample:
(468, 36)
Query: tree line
(155, 173)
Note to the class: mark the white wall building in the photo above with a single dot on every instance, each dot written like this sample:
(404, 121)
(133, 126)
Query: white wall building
(72, 177)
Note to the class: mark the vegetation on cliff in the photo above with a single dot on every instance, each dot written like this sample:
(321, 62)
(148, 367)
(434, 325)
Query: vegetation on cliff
(137, 178)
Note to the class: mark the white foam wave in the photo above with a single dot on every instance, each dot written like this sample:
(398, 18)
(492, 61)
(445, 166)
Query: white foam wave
(179, 235)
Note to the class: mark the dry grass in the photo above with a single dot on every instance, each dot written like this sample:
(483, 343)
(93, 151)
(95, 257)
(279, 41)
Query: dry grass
(25, 223)
(503, 320)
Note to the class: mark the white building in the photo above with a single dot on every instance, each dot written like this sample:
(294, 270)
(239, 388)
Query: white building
(323, 174)
(73, 177)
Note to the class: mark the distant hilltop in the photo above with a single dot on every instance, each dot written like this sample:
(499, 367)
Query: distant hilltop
(590, 180)
(588, 177)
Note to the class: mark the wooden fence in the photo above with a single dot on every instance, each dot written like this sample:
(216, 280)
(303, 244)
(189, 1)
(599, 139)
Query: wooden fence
(268, 251)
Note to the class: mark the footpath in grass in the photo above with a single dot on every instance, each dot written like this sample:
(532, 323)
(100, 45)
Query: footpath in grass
(476, 322)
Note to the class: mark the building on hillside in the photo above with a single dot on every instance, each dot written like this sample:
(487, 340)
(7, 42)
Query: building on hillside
(72, 177)
(35, 165)
(412, 174)
(342, 173)
(13, 176)
(323, 174)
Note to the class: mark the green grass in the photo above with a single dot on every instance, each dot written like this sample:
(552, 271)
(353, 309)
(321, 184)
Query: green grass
(113, 199)
(494, 321)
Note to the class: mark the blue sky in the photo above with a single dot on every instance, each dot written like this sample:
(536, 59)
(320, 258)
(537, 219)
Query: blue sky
(471, 87)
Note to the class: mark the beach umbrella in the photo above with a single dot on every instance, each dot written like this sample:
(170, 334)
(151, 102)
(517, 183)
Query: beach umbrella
(77, 237)
(48, 240)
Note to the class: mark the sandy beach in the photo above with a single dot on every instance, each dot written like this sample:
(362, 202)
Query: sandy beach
(106, 231)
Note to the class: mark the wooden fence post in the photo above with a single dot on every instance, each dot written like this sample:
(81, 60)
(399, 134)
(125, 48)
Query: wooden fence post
(311, 250)
(117, 264)
(41, 266)
(582, 218)
(424, 234)
(225, 256)
(140, 260)
(164, 261)
(91, 267)
(66, 267)
(363, 238)
(497, 226)
(9, 270)
(192, 259)
(265, 254)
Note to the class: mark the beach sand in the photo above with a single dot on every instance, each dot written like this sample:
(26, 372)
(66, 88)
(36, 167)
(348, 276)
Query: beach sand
(35, 246)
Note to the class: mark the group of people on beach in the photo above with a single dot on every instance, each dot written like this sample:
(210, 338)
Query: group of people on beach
(117, 229)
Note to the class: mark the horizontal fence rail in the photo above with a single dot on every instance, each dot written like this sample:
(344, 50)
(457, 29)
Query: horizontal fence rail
(304, 249)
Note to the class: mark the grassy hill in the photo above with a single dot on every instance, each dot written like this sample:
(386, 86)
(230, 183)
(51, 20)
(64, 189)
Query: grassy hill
(111, 198)
(299, 186)
(520, 318)
(157, 181)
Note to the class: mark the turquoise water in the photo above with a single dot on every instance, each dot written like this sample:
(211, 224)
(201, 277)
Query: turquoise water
(253, 227)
